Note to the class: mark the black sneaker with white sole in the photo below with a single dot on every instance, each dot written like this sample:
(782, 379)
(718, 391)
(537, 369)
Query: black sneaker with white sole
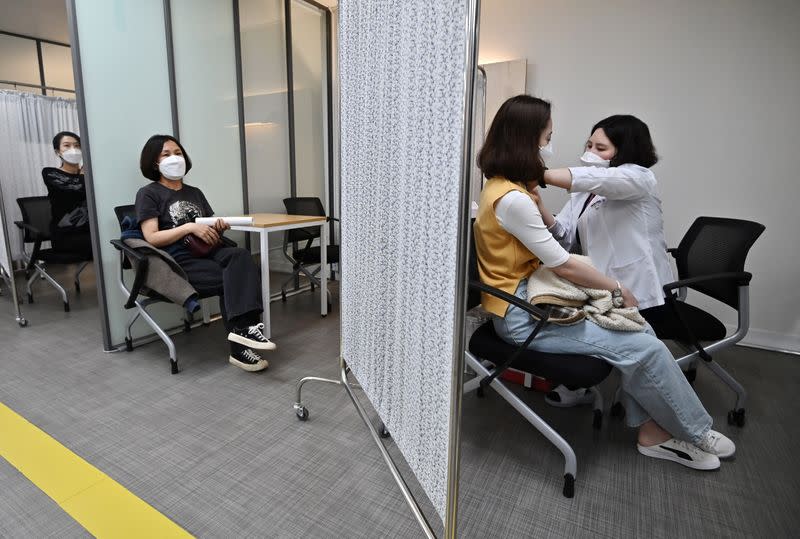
(248, 360)
(252, 337)
(682, 453)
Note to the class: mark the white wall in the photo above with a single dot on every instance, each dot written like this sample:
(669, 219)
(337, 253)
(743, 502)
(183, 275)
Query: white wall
(718, 83)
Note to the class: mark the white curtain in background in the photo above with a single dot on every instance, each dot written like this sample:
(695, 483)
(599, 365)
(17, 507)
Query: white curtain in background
(28, 123)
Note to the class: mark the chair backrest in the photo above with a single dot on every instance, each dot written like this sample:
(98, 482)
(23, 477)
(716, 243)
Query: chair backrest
(129, 210)
(36, 212)
(473, 296)
(303, 206)
(716, 245)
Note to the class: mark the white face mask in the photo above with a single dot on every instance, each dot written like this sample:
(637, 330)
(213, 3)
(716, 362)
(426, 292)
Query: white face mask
(72, 156)
(172, 167)
(593, 160)
(546, 151)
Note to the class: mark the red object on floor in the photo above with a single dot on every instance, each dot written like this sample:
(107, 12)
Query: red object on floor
(528, 380)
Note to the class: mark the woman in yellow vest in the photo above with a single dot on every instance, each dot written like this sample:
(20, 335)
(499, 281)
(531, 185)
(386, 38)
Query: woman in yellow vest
(512, 240)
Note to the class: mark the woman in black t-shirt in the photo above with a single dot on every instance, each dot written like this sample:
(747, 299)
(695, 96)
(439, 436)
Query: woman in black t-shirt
(66, 189)
(166, 210)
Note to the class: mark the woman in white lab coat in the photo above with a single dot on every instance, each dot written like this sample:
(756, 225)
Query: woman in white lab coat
(614, 216)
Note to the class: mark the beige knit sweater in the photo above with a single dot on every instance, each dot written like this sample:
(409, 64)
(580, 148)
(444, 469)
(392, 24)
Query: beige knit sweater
(575, 302)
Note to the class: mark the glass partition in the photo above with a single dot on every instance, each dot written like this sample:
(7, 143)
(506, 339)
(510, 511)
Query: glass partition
(126, 99)
(19, 62)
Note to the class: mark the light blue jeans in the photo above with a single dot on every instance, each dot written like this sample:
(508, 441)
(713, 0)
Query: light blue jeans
(653, 386)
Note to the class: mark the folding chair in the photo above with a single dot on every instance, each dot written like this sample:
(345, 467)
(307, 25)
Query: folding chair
(140, 297)
(710, 259)
(489, 356)
(35, 227)
(304, 254)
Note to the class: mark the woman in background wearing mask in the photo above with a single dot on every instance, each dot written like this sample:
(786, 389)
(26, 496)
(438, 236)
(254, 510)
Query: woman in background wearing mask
(614, 216)
(166, 210)
(66, 189)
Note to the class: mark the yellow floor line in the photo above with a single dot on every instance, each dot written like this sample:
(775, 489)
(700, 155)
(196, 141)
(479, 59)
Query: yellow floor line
(97, 502)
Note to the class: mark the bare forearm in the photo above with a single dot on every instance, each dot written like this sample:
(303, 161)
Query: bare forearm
(584, 275)
(162, 238)
(560, 177)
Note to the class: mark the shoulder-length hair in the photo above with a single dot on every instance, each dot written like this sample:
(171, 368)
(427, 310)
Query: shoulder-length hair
(511, 148)
(148, 161)
(631, 137)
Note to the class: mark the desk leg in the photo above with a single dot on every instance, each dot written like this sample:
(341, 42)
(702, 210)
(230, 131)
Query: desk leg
(323, 251)
(264, 237)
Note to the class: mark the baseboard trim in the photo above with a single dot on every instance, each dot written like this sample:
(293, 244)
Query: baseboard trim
(770, 340)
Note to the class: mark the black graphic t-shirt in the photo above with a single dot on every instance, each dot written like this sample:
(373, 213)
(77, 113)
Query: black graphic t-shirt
(67, 194)
(172, 208)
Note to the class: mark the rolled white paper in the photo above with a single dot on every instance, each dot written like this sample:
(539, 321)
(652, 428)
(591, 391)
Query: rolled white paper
(233, 221)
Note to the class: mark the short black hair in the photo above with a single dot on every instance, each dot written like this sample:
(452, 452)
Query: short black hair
(148, 162)
(511, 148)
(58, 137)
(631, 137)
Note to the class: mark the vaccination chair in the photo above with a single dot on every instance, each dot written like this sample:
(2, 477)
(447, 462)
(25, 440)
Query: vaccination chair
(710, 259)
(488, 356)
(140, 298)
(304, 254)
(35, 227)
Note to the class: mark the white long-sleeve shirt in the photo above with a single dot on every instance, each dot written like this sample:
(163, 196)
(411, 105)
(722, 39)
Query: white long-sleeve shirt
(520, 217)
(621, 230)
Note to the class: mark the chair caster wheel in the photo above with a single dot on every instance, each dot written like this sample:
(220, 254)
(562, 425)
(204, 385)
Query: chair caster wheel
(691, 375)
(569, 485)
(617, 410)
(302, 413)
(30, 298)
(283, 296)
(736, 417)
(384, 432)
(66, 307)
(174, 366)
(128, 345)
(597, 419)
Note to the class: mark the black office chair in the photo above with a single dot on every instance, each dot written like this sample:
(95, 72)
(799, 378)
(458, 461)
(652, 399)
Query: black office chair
(140, 297)
(35, 227)
(304, 254)
(489, 356)
(710, 259)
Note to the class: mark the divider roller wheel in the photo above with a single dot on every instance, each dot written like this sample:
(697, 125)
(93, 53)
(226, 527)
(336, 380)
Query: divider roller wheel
(301, 412)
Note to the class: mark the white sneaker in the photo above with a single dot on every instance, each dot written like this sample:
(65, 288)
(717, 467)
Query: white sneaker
(682, 453)
(563, 397)
(717, 444)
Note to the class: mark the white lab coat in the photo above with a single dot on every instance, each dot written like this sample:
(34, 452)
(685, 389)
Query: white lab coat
(622, 229)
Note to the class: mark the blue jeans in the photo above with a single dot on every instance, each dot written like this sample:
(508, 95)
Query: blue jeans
(653, 386)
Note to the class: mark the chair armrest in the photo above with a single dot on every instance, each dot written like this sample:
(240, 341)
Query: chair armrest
(531, 309)
(142, 266)
(30, 228)
(742, 278)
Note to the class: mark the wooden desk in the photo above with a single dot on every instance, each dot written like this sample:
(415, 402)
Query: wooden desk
(263, 224)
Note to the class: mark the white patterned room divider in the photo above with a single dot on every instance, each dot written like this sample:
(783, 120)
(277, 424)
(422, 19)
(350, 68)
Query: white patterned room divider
(403, 94)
